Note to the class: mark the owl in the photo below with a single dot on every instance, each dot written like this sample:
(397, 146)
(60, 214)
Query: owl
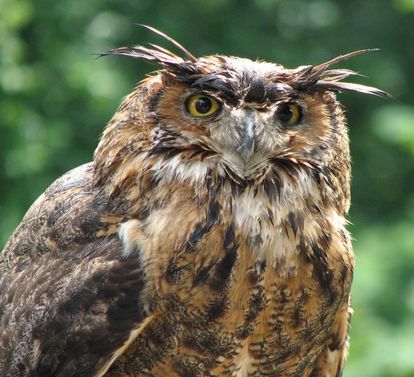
(206, 238)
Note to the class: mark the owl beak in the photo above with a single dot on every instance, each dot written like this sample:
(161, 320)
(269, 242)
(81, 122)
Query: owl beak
(247, 140)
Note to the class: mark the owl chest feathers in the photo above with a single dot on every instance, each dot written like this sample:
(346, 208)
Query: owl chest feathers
(238, 265)
(244, 273)
(271, 226)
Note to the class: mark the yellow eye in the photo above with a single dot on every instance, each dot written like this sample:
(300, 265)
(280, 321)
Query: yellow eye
(289, 114)
(201, 105)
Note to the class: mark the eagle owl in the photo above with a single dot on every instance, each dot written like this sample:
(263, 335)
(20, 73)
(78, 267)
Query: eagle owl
(206, 238)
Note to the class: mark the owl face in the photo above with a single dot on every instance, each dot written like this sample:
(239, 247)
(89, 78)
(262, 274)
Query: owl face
(242, 119)
(230, 123)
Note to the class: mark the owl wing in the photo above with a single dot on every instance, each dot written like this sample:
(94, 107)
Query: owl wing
(331, 360)
(69, 302)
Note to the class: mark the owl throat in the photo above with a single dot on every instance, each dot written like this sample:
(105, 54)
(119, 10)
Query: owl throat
(272, 214)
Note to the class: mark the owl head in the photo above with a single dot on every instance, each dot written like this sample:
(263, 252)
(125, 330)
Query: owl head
(233, 120)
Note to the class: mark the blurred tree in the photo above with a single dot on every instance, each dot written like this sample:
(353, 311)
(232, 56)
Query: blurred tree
(55, 98)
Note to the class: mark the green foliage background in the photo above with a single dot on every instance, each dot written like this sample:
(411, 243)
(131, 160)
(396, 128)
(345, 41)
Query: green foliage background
(55, 99)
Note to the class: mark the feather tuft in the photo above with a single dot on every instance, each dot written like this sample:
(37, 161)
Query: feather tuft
(232, 79)
(322, 78)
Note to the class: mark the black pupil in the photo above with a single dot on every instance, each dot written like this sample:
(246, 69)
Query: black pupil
(203, 105)
(285, 113)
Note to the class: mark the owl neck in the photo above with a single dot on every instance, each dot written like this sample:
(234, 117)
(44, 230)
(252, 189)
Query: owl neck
(271, 215)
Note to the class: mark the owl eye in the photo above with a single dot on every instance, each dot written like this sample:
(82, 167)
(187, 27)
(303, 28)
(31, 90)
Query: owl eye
(201, 105)
(289, 114)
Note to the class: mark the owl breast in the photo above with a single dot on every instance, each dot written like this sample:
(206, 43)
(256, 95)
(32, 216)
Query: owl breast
(243, 294)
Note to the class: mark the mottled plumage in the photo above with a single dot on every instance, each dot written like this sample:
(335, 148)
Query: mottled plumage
(193, 244)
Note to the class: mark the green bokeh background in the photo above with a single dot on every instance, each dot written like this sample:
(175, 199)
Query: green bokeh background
(55, 98)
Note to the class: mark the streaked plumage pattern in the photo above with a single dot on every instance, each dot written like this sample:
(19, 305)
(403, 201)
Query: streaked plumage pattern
(193, 245)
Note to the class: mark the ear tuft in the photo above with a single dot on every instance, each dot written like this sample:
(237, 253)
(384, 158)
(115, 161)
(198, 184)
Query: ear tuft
(321, 77)
(154, 53)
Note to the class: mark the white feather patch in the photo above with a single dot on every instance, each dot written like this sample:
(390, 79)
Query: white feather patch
(194, 172)
(250, 211)
(333, 361)
(245, 362)
(126, 233)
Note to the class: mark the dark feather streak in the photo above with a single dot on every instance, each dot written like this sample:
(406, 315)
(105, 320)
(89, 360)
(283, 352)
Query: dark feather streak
(202, 228)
